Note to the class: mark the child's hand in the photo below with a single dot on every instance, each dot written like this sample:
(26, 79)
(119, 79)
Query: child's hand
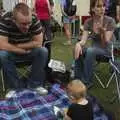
(66, 117)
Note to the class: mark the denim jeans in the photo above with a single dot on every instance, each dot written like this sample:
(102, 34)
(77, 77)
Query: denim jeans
(38, 57)
(48, 35)
(84, 65)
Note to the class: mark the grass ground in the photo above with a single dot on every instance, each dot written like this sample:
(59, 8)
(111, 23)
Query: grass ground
(65, 54)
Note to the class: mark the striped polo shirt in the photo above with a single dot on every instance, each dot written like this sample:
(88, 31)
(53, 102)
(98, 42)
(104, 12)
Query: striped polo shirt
(9, 29)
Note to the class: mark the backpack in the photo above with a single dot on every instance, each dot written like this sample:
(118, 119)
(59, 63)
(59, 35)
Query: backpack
(70, 8)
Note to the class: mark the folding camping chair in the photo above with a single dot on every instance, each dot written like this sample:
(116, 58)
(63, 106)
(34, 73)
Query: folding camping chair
(23, 69)
(114, 61)
(115, 64)
(106, 59)
(101, 59)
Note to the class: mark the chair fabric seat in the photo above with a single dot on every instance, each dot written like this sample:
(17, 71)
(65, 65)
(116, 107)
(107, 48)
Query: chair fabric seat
(102, 58)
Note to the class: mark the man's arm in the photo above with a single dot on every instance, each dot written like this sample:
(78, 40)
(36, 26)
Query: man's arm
(4, 45)
(37, 41)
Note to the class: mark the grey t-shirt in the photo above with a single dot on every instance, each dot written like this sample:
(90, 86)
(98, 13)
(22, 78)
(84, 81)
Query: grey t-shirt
(110, 26)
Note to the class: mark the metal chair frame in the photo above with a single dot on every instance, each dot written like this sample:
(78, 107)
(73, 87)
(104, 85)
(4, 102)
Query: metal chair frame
(104, 59)
(115, 73)
(25, 65)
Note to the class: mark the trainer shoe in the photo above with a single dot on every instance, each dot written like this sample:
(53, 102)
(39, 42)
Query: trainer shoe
(41, 90)
(10, 94)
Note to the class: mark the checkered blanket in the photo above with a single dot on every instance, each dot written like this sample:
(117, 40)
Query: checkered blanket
(29, 105)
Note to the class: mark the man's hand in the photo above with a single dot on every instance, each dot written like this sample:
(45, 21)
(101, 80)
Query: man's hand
(78, 50)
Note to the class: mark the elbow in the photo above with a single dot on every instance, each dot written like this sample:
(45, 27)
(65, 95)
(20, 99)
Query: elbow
(37, 44)
(2, 47)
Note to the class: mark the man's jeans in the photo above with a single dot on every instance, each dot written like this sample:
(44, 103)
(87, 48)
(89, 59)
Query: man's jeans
(38, 57)
(84, 65)
(48, 35)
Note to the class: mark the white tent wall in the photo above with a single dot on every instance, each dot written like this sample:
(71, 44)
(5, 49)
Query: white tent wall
(57, 11)
(8, 5)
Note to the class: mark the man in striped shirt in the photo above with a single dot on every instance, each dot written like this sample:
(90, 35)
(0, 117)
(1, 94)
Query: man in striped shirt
(21, 39)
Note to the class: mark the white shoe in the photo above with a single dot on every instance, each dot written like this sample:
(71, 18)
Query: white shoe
(10, 94)
(41, 90)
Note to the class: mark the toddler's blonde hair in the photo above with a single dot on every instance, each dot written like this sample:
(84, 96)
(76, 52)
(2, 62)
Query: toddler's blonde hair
(77, 89)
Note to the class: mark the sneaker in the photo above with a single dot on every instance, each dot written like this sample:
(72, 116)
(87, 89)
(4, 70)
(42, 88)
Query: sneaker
(41, 90)
(10, 94)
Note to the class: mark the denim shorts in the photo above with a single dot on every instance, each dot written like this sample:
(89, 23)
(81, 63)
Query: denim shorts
(67, 20)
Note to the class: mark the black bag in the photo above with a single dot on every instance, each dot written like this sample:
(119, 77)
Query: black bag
(69, 8)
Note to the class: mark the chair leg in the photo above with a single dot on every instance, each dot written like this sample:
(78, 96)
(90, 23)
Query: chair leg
(114, 98)
(118, 86)
(110, 80)
(2, 78)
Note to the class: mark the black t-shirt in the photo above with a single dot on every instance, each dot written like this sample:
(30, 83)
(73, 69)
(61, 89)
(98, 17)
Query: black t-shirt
(80, 112)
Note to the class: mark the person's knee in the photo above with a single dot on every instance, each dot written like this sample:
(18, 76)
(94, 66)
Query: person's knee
(42, 52)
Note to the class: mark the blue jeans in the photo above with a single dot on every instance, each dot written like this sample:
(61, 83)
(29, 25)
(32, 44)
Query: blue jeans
(38, 57)
(48, 35)
(84, 65)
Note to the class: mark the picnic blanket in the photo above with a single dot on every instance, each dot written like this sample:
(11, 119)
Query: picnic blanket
(29, 105)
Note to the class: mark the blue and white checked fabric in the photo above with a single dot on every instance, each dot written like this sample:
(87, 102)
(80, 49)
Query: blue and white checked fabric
(29, 105)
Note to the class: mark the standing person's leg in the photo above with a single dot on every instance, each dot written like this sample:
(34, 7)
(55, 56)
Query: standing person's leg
(66, 24)
(7, 63)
